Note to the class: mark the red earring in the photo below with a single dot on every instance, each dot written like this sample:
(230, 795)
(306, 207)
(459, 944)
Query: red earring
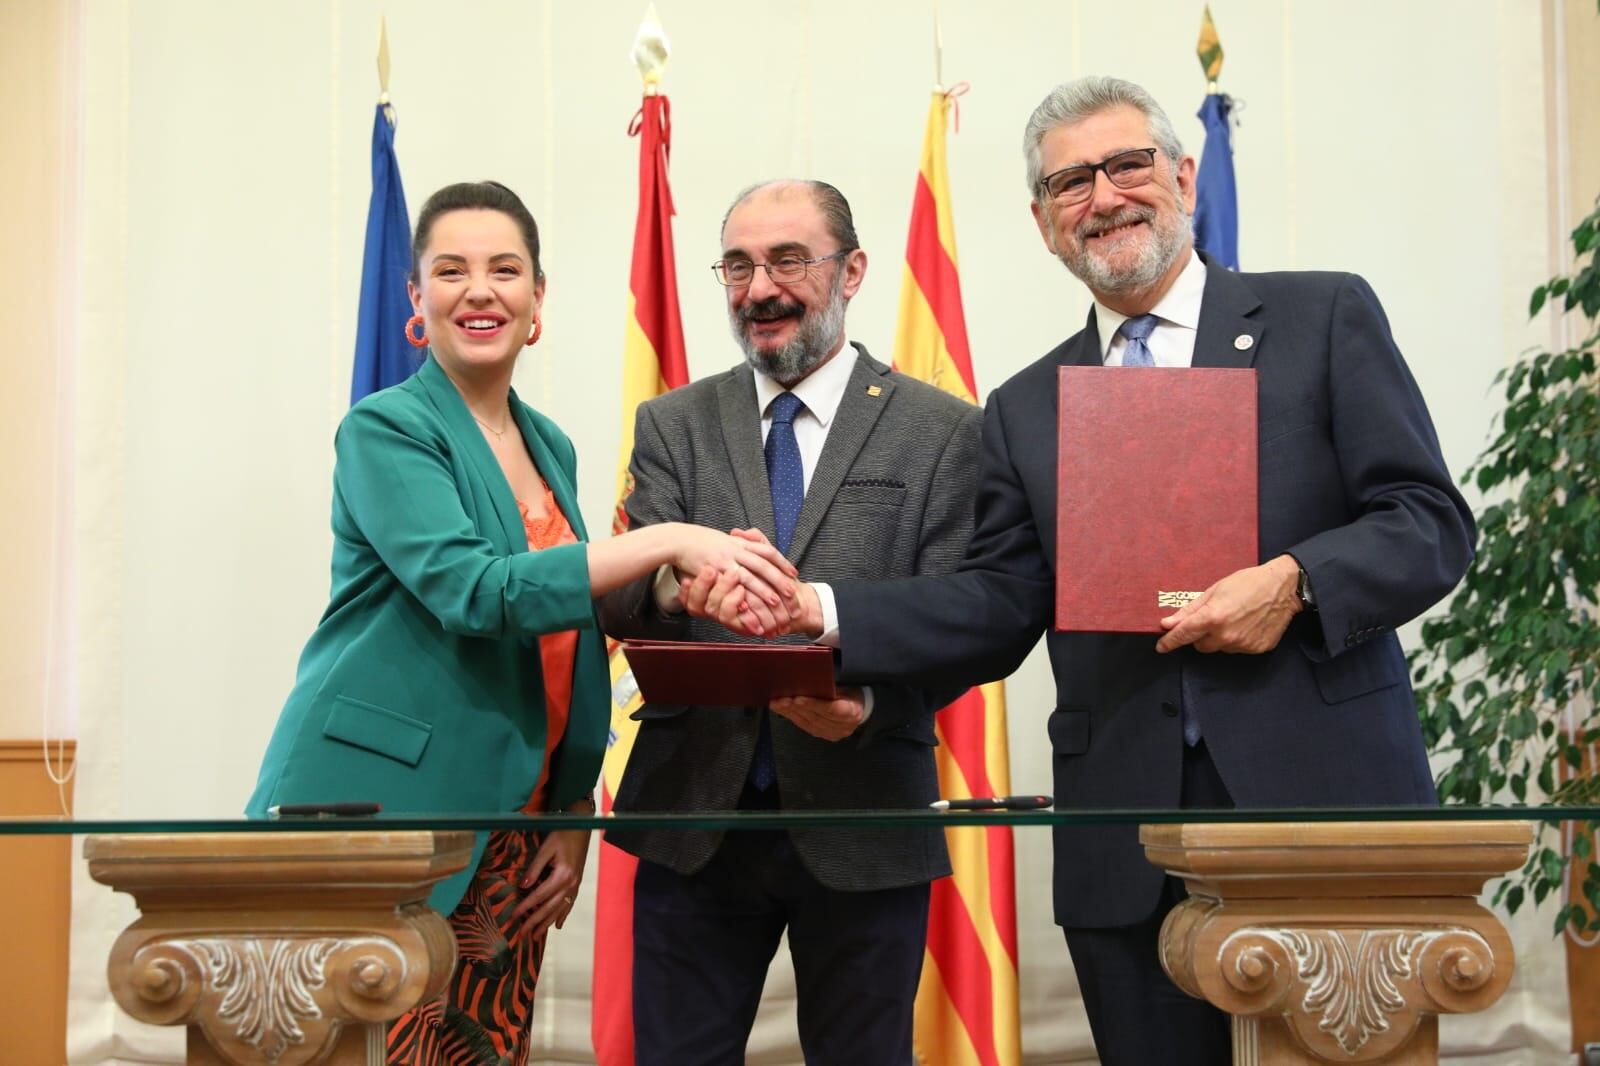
(538, 328)
(413, 324)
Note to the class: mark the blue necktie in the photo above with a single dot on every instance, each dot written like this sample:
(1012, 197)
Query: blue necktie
(787, 478)
(1136, 330)
(1137, 353)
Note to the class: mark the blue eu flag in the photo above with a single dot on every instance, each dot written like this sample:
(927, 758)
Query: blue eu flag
(1216, 212)
(383, 357)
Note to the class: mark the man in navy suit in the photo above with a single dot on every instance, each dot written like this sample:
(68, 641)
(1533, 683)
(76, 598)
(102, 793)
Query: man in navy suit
(1283, 685)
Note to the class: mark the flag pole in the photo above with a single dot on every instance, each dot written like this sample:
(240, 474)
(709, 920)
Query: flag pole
(383, 69)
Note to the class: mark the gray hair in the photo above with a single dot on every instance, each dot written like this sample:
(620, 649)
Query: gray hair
(1074, 101)
(830, 201)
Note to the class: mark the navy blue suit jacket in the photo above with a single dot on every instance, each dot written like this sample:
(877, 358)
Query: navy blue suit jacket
(1352, 484)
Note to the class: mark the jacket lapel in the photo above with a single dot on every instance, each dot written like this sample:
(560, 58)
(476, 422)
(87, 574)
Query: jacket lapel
(863, 402)
(741, 435)
(1085, 350)
(464, 435)
(544, 458)
(1227, 335)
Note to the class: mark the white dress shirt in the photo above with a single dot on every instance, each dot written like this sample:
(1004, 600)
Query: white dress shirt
(1171, 343)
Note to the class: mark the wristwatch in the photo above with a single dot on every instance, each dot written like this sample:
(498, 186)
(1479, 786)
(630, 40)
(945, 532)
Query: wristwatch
(1302, 591)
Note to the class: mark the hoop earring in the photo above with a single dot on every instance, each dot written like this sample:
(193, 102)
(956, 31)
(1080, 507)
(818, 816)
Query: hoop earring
(538, 328)
(413, 323)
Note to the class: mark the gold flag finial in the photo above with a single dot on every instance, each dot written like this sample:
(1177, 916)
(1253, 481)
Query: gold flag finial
(650, 51)
(938, 53)
(383, 68)
(1209, 49)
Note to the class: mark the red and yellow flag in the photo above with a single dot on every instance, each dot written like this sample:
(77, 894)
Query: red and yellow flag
(652, 362)
(967, 1004)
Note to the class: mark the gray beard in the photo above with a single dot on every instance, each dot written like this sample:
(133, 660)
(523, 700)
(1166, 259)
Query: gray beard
(1168, 234)
(811, 344)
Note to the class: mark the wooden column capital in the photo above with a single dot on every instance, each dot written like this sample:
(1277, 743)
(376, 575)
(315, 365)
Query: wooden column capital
(287, 948)
(1338, 942)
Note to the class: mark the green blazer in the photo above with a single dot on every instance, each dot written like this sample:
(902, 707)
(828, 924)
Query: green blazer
(421, 687)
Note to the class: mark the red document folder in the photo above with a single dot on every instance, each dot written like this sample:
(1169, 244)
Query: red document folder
(728, 675)
(1155, 491)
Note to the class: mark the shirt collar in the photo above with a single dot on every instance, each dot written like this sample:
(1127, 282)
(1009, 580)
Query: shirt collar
(821, 391)
(1180, 306)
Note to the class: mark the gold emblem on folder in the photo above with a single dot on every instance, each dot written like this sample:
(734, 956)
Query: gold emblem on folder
(1176, 599)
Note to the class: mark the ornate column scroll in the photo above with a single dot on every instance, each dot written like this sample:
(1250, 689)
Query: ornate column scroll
(1337, 942)
(281, 948)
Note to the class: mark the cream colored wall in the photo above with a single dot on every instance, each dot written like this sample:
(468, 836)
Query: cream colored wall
(223, 193)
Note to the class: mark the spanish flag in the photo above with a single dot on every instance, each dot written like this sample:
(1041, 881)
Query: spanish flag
(967, 1004)
(652, 362)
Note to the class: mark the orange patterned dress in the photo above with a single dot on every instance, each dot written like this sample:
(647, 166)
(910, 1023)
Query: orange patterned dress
(482, 1018)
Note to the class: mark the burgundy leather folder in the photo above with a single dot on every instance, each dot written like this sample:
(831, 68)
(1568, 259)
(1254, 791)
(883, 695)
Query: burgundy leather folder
(728, 675)
(1155, 491)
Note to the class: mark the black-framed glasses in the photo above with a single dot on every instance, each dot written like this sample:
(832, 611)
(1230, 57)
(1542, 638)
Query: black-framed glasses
(1125, 170)
(740, 271)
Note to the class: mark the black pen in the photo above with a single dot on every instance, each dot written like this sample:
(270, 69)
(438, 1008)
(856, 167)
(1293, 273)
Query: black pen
(323, 810)
(995, 803)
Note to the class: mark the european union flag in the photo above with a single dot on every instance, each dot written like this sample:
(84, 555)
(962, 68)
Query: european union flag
(383, 357)
(1216, 212)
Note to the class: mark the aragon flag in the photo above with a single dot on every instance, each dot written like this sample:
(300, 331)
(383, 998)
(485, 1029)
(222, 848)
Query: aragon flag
(966, 1012)
(653, 361)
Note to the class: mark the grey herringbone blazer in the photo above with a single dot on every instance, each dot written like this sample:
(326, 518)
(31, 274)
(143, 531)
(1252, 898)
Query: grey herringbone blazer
(891, 496)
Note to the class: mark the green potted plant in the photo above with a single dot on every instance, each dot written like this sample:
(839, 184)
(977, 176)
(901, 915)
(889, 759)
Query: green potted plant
(1508, 678)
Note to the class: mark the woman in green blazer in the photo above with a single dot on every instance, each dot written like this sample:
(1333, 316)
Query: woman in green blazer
(423, 687)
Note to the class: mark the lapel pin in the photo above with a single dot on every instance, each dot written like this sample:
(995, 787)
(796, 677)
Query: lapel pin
(874, 390)
(1243, 342)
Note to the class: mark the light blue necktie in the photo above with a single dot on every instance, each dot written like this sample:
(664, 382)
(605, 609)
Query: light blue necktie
(1137, 330)
(787, 478)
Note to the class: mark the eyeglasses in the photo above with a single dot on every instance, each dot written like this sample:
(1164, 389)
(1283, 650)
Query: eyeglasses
(784, 268)
(1125, 170)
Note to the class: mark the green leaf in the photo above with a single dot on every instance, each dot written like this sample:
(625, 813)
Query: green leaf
(1514, 899)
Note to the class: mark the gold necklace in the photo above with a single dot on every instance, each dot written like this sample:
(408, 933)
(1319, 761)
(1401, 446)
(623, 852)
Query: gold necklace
(499, 434)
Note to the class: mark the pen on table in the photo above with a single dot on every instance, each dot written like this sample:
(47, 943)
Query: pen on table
(326, 810)
(994, 803)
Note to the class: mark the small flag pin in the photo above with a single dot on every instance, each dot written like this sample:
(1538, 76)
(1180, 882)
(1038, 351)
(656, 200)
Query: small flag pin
(874, 390)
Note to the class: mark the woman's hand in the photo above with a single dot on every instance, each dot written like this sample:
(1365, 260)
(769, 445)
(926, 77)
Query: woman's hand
(554, 874)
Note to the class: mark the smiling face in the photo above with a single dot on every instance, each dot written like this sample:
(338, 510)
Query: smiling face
(788, 328)
(476, 291)
(1127, 245)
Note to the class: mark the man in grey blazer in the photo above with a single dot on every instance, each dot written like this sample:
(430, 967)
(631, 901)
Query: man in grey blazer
(854, 471)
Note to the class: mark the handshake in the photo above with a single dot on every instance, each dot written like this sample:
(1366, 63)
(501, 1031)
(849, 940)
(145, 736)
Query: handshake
(742, 582)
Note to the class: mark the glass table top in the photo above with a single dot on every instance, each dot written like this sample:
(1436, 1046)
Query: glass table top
(723, 820)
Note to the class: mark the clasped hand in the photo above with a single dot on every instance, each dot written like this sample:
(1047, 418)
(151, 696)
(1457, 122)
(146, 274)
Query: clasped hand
(749, 589)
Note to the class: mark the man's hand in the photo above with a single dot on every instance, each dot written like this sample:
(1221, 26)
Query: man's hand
(1246, 612)
(832, 719)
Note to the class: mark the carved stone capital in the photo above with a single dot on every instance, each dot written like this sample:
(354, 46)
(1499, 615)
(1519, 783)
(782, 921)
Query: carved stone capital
(279, 999)
(1348, 992)
(1323, 946)
(272, 948)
